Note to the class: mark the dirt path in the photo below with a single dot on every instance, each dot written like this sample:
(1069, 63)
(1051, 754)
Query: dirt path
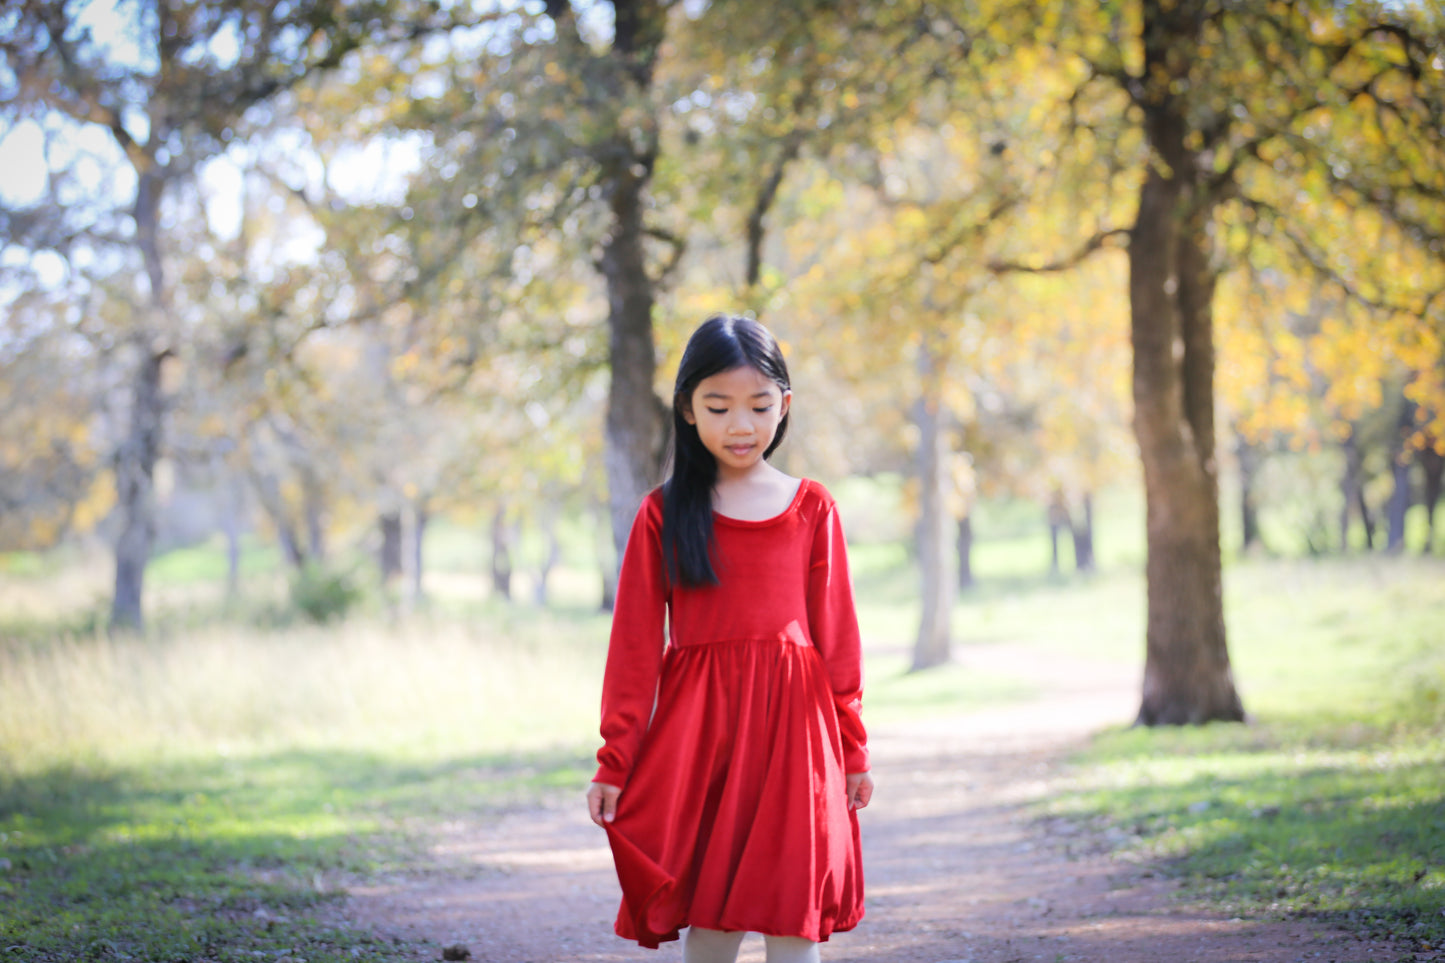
(957, 869)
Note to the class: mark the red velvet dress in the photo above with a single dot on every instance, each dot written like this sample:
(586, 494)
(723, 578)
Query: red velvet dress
(730, 714)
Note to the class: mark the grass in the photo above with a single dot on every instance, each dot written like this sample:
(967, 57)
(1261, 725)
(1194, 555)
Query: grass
(896, 694)
(1331, 803)
(207, 792)
(422, 687)
(228, 859)
(205, 795)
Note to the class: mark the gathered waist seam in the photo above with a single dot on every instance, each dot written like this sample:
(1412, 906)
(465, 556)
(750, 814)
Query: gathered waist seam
(779, 639)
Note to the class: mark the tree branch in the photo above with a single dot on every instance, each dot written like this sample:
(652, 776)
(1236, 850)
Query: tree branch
(1319, 264)
(1097, 242)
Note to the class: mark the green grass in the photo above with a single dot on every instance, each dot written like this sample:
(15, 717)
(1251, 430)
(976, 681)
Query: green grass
(1331, 803)
(225, 859)
(206, 792)
(206, 795)
(895, 694)
(207, 562)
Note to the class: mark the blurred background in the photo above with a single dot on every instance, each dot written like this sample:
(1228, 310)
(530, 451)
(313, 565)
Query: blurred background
(337, 345)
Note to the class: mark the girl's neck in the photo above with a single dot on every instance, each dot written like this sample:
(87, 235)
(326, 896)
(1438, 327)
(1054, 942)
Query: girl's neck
(761, 493)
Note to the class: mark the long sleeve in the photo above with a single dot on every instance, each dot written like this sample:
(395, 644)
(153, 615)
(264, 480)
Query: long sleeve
(634, 652)
(833, 623)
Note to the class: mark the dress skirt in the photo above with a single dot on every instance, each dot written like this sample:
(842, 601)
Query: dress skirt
(735, 815)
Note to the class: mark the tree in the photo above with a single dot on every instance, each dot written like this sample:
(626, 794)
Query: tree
(959, 201)
(545, 130)
(625, 152)
(52, 478)
(1245, 107)
(1187, 675)
(169, 99)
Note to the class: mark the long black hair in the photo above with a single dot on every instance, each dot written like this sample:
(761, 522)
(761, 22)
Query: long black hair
(721, 343)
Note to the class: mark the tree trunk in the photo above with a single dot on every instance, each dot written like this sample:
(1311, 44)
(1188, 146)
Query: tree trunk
(762, 203)
(1353, 494)
(1083, 532)
(550, 557)
(1433, 463)
(501, 553)
(413, 537)
(231, 525)
(135, 460)
(934, 632)
(635, 418)
(1400, 463)
(607, 558)
(389, 555)
(1399, 505)
(1367, 517)
(1248, 457)
(1187, 674)
(1058, 515)
(135, 463)
(273, 503)
(965, 552)
(313, 505)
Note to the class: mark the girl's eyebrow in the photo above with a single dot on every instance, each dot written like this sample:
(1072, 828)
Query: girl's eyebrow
(721, 396)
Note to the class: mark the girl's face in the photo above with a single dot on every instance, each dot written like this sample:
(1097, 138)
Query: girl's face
(737, 413)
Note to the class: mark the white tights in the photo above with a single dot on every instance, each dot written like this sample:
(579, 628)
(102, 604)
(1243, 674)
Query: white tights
(716, 946)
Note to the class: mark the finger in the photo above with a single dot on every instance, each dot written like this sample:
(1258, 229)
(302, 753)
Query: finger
(860, 790)
(609, 805)
(594, 807)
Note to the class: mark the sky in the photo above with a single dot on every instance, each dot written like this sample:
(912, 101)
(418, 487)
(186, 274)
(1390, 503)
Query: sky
(96, 168)
(22, 165)
(30, 148)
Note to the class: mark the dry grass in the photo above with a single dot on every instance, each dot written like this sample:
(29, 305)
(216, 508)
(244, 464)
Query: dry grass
(421, 687)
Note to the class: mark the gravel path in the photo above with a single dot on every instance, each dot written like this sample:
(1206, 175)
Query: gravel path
(957, 868)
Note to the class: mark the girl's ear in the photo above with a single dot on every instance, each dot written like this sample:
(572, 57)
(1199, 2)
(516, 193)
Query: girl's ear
(785, 404)
(684, 405)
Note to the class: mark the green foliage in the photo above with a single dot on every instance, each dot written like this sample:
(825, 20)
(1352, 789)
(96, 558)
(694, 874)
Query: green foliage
(324, 594)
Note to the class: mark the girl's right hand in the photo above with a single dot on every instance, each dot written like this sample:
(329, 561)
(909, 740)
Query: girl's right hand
(602, 802)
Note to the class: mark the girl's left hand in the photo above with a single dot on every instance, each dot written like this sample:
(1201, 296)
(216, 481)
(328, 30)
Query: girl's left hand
(602, 802)
(860, 789)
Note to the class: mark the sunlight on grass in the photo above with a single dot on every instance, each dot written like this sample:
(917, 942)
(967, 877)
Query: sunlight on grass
(418, 688)
(1332, 802)
(209, 793)
(237, 761)
(895, 694)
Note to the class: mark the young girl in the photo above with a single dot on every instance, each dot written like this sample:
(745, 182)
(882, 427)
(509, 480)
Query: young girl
(734, 758)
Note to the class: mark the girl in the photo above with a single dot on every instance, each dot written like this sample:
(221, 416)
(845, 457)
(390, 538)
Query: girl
(734, 758)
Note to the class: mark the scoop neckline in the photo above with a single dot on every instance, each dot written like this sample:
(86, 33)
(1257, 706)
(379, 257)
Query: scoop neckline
(760, 522)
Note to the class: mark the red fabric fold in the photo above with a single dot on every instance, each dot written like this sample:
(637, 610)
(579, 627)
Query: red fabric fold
(732, 744)
(644, 885)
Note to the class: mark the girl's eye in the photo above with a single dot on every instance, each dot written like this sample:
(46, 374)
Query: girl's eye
(763, 411)
(718, 411)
